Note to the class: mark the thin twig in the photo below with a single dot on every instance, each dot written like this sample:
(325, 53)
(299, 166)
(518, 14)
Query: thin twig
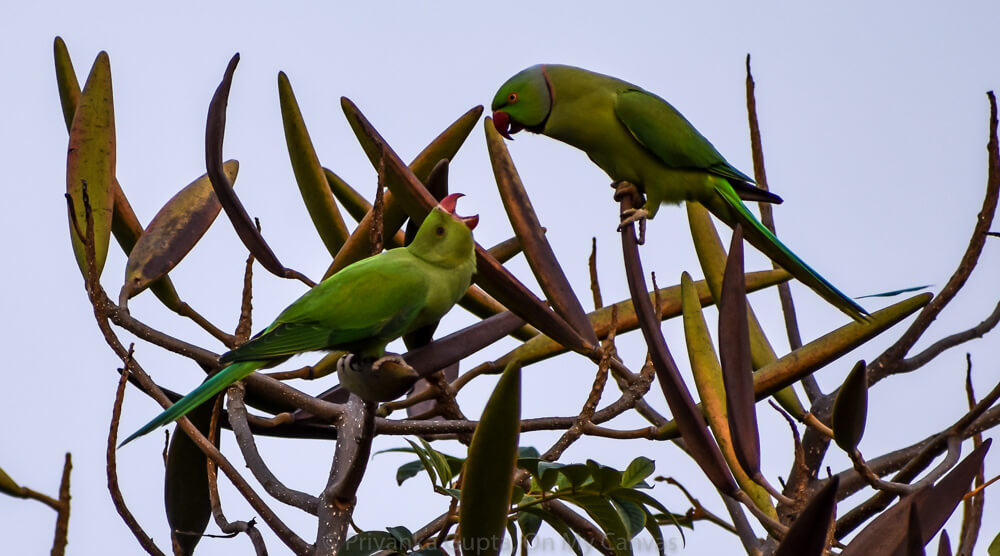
(800, 494)
(61, 536)
(378, 208)
(972, 507)
(698, 511)
(421, 535)
(244, 326)
(116, 494)
(231, 528)
(937, 348)
(186, 310)
(767, 217)
(595, 285)
(590, 406)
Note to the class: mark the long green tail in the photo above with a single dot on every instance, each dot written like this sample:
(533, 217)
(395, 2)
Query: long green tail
(219, 382)
(728, 207)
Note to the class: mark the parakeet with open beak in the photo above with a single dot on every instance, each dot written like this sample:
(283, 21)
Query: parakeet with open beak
(359, 309)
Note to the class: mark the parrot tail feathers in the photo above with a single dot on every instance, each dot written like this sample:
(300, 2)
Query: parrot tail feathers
(217, 383)
(749, 192)
(727, 206)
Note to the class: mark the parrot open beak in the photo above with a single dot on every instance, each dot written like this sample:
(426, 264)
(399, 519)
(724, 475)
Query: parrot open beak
(504, 125)
(448, 204)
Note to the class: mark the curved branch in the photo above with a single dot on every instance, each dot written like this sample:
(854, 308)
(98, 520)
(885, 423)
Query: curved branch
(244, 438)
(948, 342)
(888, 362)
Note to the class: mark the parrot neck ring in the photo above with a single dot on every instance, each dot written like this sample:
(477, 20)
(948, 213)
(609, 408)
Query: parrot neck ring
(448, 205)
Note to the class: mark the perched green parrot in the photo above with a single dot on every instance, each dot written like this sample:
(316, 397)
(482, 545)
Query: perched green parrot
(637, 137)
(359, 309)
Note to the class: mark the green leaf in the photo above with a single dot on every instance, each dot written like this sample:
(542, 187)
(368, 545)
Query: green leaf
(425, 460)
(994, 548)
(638, 497)
(489, 469)
(559, 526)
(9, 486)
(577, 474)
(69, 87)
(90, 160)
(640, 468)
(550, 473)
(124, 224)
(439, 462)
(402, 535)
(408, 470)
(530, 465)
(528, 452)
(607, 517)
(605, 478)
(653, 527)
(529, 523)
(708, 379)
(646, 500)
(632, 514)
(516, 495)
(309, 173)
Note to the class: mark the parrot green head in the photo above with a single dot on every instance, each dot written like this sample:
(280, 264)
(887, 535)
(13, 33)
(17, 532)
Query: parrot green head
(445, 238)
(523, 102)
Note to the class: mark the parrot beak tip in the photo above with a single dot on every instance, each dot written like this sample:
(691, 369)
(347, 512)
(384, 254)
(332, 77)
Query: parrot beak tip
(501, 121)
(449, 202)
(448, 205)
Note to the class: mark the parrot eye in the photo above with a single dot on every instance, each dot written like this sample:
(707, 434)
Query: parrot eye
(439, 231)
(512, 98)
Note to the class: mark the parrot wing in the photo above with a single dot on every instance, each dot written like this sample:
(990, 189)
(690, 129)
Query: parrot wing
(662, 130)
(367, 304)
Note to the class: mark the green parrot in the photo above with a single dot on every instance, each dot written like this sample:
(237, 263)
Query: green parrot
(359, 309)
(637, 137)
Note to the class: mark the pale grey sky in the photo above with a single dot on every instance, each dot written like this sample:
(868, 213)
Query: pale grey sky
(874, 122)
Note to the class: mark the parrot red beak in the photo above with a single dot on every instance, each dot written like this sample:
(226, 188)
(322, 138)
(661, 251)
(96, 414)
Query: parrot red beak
(504, 125)
(448, 204)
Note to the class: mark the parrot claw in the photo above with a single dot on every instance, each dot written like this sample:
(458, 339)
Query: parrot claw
(352, 362)
(344, 363)
(635, 215)
(624, 188)
(394, 359)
